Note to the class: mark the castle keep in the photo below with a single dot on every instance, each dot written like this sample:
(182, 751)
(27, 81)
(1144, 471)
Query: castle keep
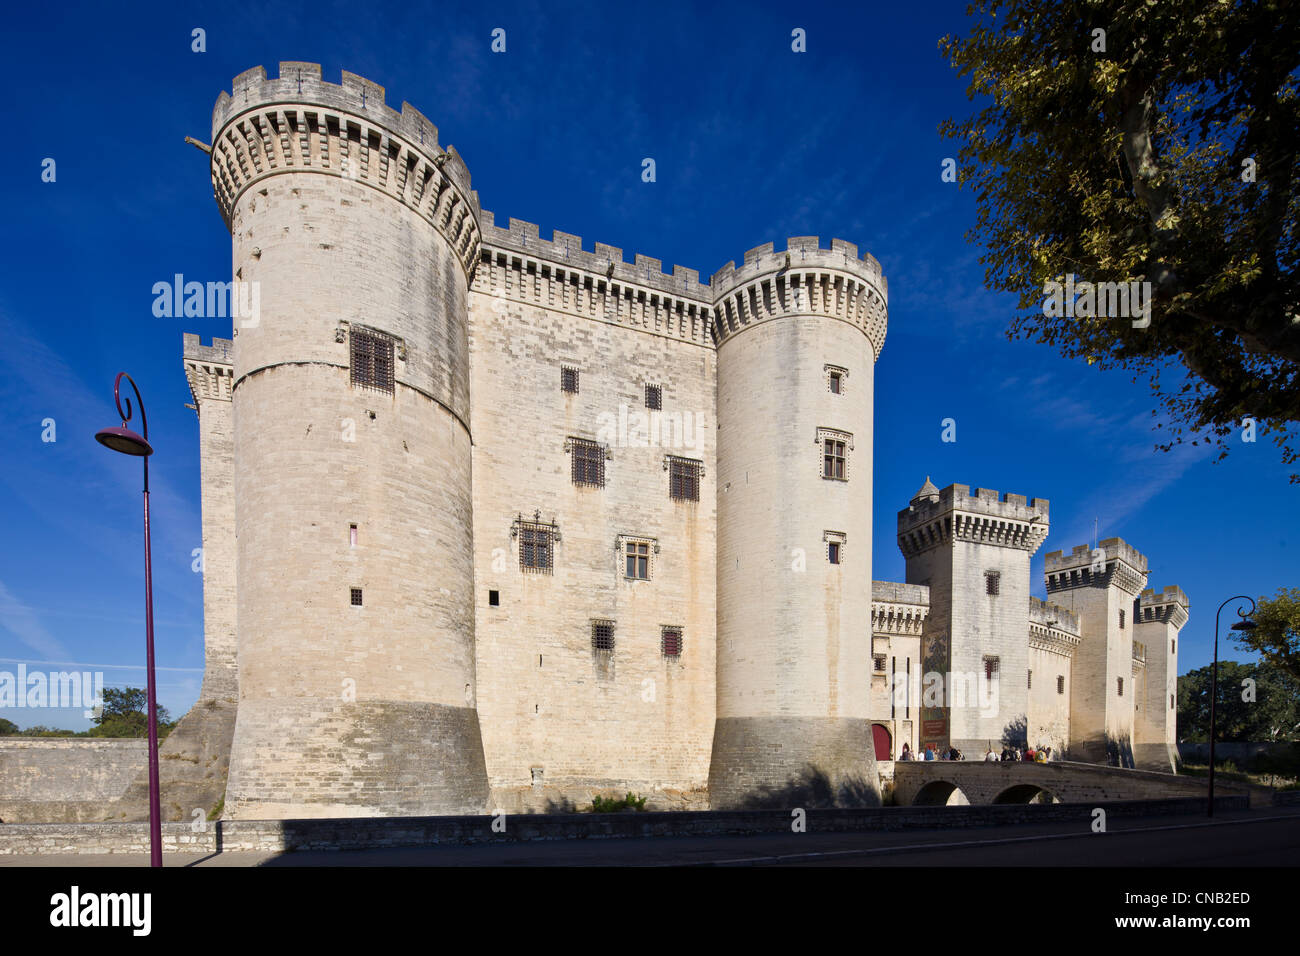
(495, 521)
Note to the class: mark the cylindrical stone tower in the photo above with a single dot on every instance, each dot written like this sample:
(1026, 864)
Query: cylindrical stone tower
(798, 334)
(354, 237)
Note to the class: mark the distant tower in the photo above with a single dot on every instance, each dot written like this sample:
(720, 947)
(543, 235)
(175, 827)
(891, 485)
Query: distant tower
(352, 452)
(798, 334)
(1158, 618)
(1100, 586)
(973, 551)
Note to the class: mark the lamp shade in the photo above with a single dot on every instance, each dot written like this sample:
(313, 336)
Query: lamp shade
(124, 440)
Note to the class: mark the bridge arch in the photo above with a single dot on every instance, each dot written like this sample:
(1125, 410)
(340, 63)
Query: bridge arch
(940, 793)
(1026, 793)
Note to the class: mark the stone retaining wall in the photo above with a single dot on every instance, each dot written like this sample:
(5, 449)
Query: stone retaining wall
(364, 833)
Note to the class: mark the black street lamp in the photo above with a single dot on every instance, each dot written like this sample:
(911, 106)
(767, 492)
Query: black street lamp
(127, 442)
(1245, 624)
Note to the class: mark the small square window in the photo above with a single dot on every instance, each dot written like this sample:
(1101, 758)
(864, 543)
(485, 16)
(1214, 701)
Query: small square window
(991, 666)
(569, 380)
(835, 383)
(356, 597)
(835, 379)
(992, 582)
(878, 663)
(602, 637)
(494, 598)
(670, 642)
(654, 397)
(833, 552)
(638, 560)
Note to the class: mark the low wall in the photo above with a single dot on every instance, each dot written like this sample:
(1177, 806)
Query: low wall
(1238, 752)
(366, 832)
(71, 777)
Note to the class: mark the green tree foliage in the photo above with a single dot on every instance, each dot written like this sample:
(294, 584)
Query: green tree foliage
(1273, 714)
(1164, 150)
(1277, 635)
(125, 714)
(8, 728)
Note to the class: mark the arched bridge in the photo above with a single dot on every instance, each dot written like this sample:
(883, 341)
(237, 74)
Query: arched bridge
(939, 782)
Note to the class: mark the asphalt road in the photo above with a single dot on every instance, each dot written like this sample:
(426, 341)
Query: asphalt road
(1263, 837)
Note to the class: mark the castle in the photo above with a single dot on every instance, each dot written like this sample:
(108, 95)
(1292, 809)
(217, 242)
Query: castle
(491, 521)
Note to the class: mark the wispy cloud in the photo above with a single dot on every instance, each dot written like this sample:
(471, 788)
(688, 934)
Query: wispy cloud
(20, 621)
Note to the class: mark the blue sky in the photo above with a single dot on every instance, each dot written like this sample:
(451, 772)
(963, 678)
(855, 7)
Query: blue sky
(752, 143)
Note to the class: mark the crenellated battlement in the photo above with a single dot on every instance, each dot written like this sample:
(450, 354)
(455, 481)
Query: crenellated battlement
(1169, 606)
(982, 515)
(804, 279)
(1053, 615)
(898, 608)
(300, 83)
(209, 369)
(1053, 628)
(565, 251)
(1172, 594)
(517, 264)
(1114, 561)
(299, 123)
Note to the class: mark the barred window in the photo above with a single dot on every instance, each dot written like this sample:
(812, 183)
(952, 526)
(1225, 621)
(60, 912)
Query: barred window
(670, 642)
(602, 637)
(372, 360)
(992, 582)
(536, 547)
(588, 462)
(684, 478)
(1121, 619)
(1060, 683)
(1120, 681)
(991, 666)
(638, 560)
(356, 597)
(1031, 680)
(654, 397)
(879, 662)
(569, 380)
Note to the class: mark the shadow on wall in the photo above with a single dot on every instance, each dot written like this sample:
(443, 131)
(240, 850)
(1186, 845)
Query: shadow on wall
(813, 789)
(1016, 734)
(1119, 752)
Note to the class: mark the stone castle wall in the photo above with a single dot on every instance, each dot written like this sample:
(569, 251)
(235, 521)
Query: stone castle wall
(561, 721)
